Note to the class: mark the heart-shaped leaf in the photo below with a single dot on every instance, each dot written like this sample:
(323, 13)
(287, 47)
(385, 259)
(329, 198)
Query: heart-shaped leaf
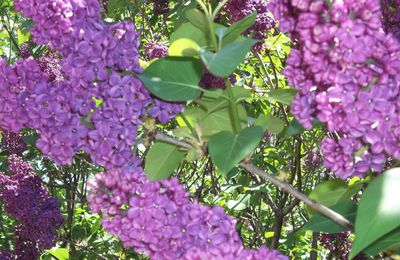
(331, 192)
(320, 223)
(173, 78)
(274, 125)
(284, 96)
(224, 62)
(198, 19)
(378, 212)
(235, 30)
(227, 149)
(189, 31)
(161, 160)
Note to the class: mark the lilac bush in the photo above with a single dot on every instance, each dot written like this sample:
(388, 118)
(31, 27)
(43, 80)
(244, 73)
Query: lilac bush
(95, 108)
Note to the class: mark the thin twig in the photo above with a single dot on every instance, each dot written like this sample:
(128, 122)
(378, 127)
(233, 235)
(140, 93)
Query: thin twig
(336, 217)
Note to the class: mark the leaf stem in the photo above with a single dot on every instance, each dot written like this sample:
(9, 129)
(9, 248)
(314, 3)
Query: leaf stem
(233, 110)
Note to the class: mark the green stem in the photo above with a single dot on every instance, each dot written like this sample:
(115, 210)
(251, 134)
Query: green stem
(233, 110)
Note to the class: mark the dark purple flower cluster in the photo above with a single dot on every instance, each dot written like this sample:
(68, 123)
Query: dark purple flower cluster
(154, 50)
(160, 7)
(313, 160)
(157, 218)
(347, 72)
(37, 213)
(209, 81)
(239, 9)
(338, 244)
(391, 16)
(12, 142)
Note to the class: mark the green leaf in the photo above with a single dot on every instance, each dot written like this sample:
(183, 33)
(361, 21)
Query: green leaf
(30, 139)
(234, 31)
(284, 96)
(184, 47)
(162, 159)
(241, 203)
(227, 149)
(270, 123)
(189, 31)
(320, 223)
(23, 36)
(224, 62)
(198, 19)
(331, 192)
(173, 78)
(378, 212)
(294, 128)
(59, 253)
(116, 7)
(390, 240)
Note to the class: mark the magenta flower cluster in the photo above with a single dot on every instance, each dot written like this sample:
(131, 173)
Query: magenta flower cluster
(12, 143)
(338, 244)
(157, 218)
(97, 109)
(38, 214)
(239, 9)
(154, 50)
(346, 69)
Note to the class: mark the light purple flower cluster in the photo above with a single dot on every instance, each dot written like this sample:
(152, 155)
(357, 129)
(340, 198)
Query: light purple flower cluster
(26, 200)
(239, 9)
(347, 72)
(338, 244)
(157, 218)
(154, 50)
(12, 142)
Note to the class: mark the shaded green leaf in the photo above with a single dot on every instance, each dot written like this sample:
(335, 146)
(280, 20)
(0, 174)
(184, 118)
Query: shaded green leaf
(284, 96)
(162, 159)
(173, 78)
(227, 149)
(224, 62)
(320, 223)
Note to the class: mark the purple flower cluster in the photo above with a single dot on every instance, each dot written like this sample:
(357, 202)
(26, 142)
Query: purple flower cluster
(347, 72)
(12, 142)
(338, 244)
(154, 50)
(157, 218)
(37, 213)
(239, 9)
(94, 108)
